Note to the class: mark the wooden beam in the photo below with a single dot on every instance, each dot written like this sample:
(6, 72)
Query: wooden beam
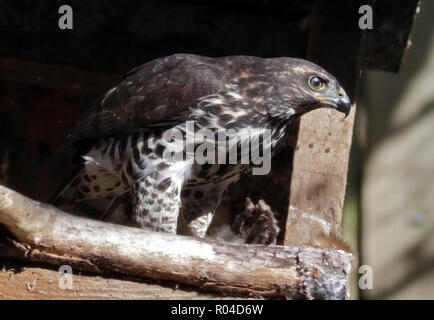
(36, 283)
(388, 41)
(321, 156)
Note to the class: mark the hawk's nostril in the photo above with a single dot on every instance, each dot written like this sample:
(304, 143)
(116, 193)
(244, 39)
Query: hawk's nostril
(341, 93)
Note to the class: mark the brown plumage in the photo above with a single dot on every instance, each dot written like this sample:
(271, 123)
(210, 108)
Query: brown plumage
(125, 129)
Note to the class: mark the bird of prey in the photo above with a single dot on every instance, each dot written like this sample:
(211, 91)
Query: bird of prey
(127, 127)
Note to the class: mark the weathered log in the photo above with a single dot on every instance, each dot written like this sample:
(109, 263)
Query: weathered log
(42, 233)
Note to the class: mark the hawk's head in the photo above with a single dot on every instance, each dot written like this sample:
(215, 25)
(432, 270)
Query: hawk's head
(303, 86)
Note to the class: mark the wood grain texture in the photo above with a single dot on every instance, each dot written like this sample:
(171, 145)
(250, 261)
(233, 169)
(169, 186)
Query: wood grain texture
(44, 234)
(324, 140)
(34, 283)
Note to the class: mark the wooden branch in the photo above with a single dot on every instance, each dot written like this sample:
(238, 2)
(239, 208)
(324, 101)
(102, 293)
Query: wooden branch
(45, 234)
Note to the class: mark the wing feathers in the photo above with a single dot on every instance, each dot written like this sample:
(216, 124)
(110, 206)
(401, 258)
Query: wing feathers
(154, 95)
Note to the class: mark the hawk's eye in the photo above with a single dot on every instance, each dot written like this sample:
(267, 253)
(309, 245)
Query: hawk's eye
(317, 83)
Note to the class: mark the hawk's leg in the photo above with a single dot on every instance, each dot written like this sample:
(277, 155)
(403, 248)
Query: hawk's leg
(156, 203)
(199, 206)
(195, 222)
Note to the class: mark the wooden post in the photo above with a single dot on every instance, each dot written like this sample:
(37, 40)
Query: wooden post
(321, 156)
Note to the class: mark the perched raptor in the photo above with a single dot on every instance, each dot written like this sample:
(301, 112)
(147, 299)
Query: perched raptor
(127, 130)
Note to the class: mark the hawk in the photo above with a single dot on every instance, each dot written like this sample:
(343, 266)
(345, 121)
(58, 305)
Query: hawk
(127, 130)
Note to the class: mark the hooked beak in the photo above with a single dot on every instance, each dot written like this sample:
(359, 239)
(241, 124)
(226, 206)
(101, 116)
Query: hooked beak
(342, 103)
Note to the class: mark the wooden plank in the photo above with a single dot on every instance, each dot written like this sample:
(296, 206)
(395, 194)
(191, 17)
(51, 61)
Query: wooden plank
(387, 43)
(321, 157)
(40, 283)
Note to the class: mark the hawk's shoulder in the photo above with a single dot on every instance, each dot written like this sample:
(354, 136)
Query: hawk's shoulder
(156, 94)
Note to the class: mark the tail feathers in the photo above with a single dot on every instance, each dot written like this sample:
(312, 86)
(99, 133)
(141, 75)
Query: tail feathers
(68, 190)
(95, 193)
(97, 182)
